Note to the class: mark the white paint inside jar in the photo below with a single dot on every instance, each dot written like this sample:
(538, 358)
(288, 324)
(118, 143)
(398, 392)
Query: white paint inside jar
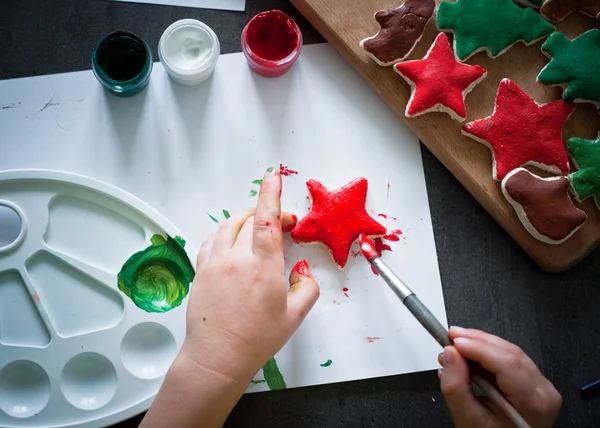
(189, 50)
(188, 47)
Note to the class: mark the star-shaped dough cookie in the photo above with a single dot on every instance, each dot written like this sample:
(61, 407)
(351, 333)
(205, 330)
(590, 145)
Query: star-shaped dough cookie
(336, 218)
(543, 205)
(522, 132)
(439, 82)
(586, 156)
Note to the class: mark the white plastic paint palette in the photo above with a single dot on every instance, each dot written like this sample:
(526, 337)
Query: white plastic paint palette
(74, 349)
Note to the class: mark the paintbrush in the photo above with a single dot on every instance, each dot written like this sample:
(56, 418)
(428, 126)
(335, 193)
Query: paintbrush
(436, 329)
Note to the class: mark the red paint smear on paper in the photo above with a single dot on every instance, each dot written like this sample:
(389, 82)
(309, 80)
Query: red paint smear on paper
(385, 216)
(35, 297)
(284, 170)
(380, 246)
(293, 224)
(268, 223)
(301, 268)
(393, 235)
(372, 339)
(345, 291)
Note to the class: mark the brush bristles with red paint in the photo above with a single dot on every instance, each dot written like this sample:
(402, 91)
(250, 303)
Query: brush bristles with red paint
(367, 247)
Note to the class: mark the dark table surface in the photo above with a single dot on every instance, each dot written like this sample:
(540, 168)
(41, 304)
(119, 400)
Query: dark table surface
(489, 282)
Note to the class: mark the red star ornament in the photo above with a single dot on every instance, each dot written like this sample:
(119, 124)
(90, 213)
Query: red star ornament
(439, 81)
(522, 132)
(336, 218)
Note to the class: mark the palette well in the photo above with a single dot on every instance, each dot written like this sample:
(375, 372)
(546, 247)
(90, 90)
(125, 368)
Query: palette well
(74, 349)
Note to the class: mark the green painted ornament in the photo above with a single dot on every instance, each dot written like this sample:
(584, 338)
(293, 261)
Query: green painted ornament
(574, 64)
(492, 26)
(585, 182)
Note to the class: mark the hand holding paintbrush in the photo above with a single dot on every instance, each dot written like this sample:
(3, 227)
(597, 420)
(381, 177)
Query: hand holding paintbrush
(537, 397)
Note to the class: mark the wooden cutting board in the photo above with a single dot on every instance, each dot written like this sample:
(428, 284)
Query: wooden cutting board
(344, 23)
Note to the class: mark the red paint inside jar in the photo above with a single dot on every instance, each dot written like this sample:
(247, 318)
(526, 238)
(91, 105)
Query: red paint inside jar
(272, 35)
(271, 42)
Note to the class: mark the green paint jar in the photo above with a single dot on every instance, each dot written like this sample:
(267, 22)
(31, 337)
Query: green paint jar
(122, 63)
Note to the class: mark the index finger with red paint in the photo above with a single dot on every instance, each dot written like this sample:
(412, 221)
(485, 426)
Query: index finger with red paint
(267, 227)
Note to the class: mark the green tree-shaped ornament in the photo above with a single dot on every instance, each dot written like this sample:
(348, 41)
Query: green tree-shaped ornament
(586, 181)
(493, 26)
(574, 63)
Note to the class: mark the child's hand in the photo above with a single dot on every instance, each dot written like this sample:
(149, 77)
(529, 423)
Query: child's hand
(517, 377)
(242, 308)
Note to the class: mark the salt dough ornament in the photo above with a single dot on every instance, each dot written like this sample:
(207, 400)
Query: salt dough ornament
(439, 82)
(585, 182)
(557, 10)
(574, 65)
(522, 132)
(491, 26)
(543, 205)
(401, 29)
(336, 218)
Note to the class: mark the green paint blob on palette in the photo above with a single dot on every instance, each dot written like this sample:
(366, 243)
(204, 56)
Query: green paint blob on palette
(158, 278)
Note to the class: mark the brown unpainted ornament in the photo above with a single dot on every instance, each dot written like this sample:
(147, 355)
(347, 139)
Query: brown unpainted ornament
(401, 29)
(543, 205)
(557, 10)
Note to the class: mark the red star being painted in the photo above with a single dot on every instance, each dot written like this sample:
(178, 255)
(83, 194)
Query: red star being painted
(522, 132)
(336, 218)
(439, 82)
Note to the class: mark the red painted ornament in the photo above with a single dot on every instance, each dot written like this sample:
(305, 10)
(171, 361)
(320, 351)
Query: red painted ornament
(439, 81)
(336, 218)
(522, 132)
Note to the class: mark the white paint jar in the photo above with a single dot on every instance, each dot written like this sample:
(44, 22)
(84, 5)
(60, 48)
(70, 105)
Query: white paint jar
(189, 50)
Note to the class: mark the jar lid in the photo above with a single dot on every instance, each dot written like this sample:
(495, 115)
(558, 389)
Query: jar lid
(188, 49)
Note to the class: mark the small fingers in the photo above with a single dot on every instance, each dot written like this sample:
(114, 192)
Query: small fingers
(303, 293)
(244, 238)
(288, 221)
(472, 333)
(516, 375)
(205, 250)
(267, 219)
(496, 359)
(229, 230)
(455, 383)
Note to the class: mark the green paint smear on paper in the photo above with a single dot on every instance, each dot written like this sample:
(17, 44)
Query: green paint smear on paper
(327, 363)
(254, 382)
(226, 214)
(158, 278)
(255, 192)
(273, 376)
(213, 218)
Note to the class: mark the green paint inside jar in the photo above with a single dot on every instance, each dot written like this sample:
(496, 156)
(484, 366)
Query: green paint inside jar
(122, 63)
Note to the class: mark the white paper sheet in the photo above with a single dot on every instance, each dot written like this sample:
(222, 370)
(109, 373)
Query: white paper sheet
(238, 5)
(193, 151)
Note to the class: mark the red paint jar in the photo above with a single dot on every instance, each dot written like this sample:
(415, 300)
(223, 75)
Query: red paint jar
(271, 42)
